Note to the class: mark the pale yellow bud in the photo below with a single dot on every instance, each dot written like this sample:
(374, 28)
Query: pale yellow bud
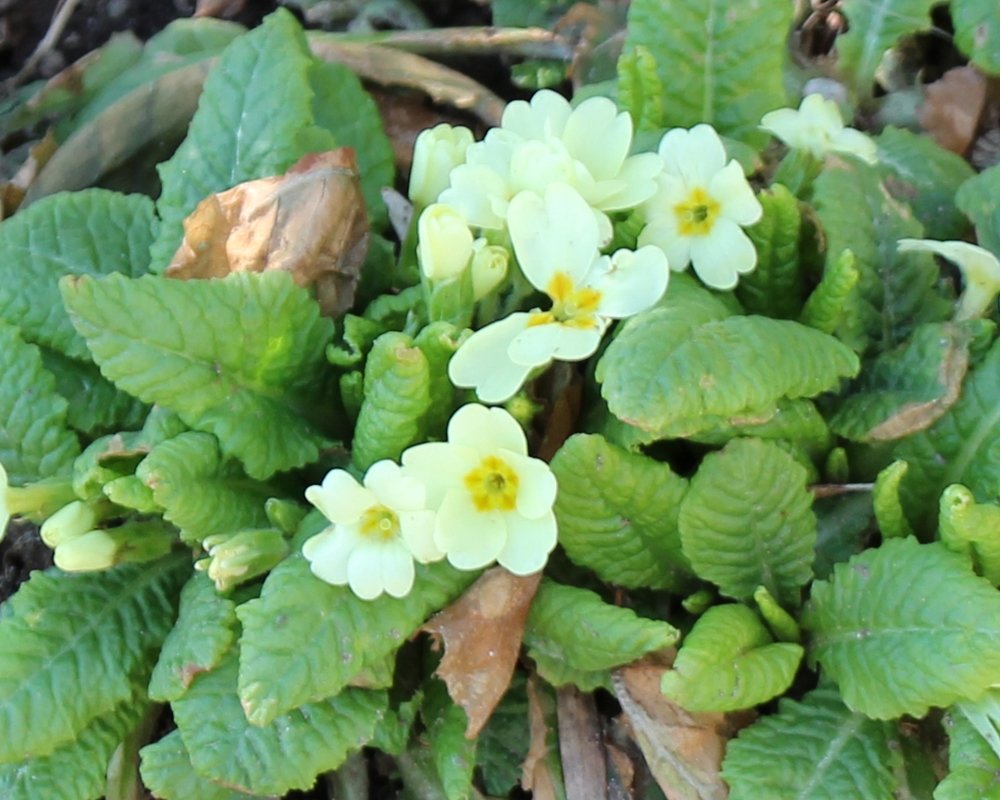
(489, 267)
(437, 152)
(444, 242)
(68, 523)
(236, 558)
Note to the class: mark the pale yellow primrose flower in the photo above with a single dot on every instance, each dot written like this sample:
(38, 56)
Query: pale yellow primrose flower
(696, 213)
(547, 141)
(494, 502)
(555, 240)
(378, 530)
(980, 272)
(436, 153)
(444, 242)
(818, 128)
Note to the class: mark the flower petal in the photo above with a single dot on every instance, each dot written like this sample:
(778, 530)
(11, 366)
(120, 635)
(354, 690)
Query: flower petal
(723, 254)
(417, 528)
(545, 116)
(565, 342)
(857, 143)
(663, 234)
(471, 539)
(537, 487)
(731, 190)
(327, 552)
(438, 466)
(477, 191)
(364, 570)
(782, 123)
(340, 498)
(630, 281)
(529, 542)
(598, 135)
(536, 165)
(693, 155)
(393, 489)
(635, 183)
(482, 362)
(397, 569)
(486, 430)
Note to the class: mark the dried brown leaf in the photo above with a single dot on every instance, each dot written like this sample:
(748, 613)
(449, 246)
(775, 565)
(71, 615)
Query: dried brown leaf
(310, 222)
(581, 745)
(224, 9)
(13, 191)
(684, 750)
(952, 108)
(482, 638)
(536, 772)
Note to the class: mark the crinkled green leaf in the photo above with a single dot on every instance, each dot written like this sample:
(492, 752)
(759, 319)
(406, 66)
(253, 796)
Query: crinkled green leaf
(287, 753)
(844, 524)
(397, 398)
(75, 645)
(775, 288)
(885, 501)
(979, 199)
(687, 358)
(502, 743)
(130, 492)
(75, 770)
(640, 90)
(203, 634)
(896, 291)
(828, 307)
(746, 521)
(816, 749)
(984, 714)
(202, 493)
(972, 528)
(93, 232)
(874, 27)
(905, 390)
(454, 755)
(236, 357)
(977, 32)
(168, 773)
(919, 172)
(720, 61)
(905, 627)
(438, 342)
(575, 637)
(304, 640)
(34, 440)
(782, 624)
(973, 765)
(617, 514)
(729, 661)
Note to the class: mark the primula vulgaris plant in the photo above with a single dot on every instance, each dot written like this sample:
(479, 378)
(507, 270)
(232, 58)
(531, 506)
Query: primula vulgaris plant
(263, 460)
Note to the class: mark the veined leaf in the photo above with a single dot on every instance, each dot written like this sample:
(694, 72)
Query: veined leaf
(746, 521)
(201, 492)
(235, 357)
(502, 744)
(304, 640)
(905, 627)
(287, 753)
(972, 763)
(93, 232)
(885, 500)
(168, 773)
(826, 309)
(977, 33)
(34, 440)
(972, 528)
(687, 358)
(817, 749)
(979, 199)
(454, 755)
(719, 61)
(75, 646)
(575, 637)
(640, 90)
(617, 514)
(729, 662)
(874, 28)
(205, 629)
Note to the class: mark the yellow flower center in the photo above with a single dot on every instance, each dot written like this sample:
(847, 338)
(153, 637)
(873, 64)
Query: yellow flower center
(379, 522)
(697, 214)
(493, 485)
(576, 308)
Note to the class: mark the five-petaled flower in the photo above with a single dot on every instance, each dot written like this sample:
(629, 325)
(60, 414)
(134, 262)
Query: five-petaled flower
(818, 128)
(555, 239)
(378, 530)
(698, 210)
(493, 501)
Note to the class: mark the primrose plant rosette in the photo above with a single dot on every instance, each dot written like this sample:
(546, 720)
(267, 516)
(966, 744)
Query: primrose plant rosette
(493, 501)
(555, 239)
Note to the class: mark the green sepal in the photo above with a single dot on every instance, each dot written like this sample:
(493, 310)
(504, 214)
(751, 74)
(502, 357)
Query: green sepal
(450, 300)
(973, 529)
(888, 509)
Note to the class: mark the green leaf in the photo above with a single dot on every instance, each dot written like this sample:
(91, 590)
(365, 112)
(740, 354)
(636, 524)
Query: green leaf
(304, 640)
(203, 634)
(817, 749)
(76, 645)
(235, 357)
(979, 199)
(502, 743)
(827, 308)
(288, 753)
(201, 492)
(973, 529)
(919, 172)
(255, 119)
(687, 358)
(977, 33)
(905, 627)
(575, 637)
(93, 232)
(168, 773)
(885, 500)
(454, 755)
(775, 288)
(617, 514)
(972, 763)
(746, 521)
(874, 28)
(845, 523)
(438, 342)
(896, 290)
(75, 770)
(34, 440)
(719, 62)
(729, 662)
(130, 492)
(640, 90)
(908, 389)
(397, 397)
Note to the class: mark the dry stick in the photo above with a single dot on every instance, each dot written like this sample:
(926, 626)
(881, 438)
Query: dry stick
(59, 21)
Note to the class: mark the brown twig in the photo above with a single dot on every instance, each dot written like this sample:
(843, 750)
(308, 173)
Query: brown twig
(59, 21)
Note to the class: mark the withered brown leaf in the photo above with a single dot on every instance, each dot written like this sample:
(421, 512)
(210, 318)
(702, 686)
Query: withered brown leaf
(952, 108)
(310, 222)
(482, 638)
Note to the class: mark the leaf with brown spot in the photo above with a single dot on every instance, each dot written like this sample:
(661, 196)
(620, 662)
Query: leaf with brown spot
(482, 638)
(310, 222)
(952, 108)
(12, 192)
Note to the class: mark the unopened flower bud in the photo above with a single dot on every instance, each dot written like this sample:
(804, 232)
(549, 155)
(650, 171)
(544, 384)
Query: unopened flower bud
(102, 549)
(69, 522)
(34, 500)
(437, 152)
(489, 267)
(444, 243)
(236, 558)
